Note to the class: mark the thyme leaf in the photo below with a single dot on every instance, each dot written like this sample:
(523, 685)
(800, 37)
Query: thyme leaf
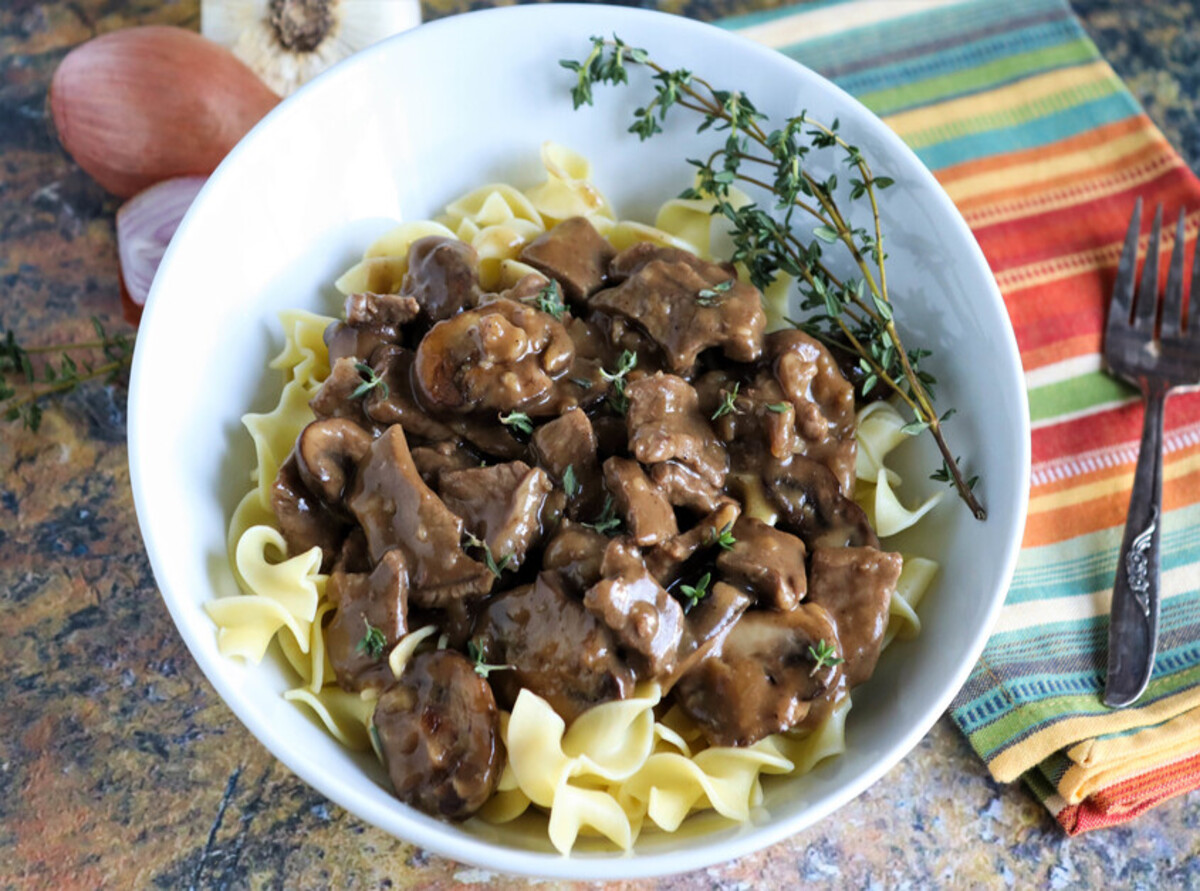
(519, 421)
(371, 381)
(697, 592)
(373, 642)
(824, 654)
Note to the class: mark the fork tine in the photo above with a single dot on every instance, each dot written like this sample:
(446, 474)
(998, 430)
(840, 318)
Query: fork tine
(1172, 313)
(1146, 303)
(1122, 299)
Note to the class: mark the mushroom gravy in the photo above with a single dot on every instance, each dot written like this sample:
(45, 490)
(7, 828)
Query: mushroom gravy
(564, 478)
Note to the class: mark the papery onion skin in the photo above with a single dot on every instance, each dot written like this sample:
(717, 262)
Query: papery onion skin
(145, 226)
(142, 105)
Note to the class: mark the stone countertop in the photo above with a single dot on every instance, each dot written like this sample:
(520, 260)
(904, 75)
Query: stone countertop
(120, 767)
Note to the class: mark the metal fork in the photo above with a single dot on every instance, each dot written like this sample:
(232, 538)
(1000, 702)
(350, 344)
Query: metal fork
(1156, 361)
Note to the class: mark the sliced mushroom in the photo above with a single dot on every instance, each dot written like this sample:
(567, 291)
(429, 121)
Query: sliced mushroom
(501, 357)
(439, 732)
(812, 505)
(327, 456)
(766, 677)
(304, 520)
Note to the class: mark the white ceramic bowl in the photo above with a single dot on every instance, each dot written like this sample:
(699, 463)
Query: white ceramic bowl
(394, 133)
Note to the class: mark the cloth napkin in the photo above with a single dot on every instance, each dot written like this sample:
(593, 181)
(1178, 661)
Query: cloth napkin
(1045, 151)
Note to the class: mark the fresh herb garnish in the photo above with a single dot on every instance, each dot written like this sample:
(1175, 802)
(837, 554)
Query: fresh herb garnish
(625, 364)
(519, 421)
(728, 398)
(371, 381)
(570, 484)
(712, 296)
(549, 300)
(483, 669)
(23, 385)
(724, 538)
(823, 655)
(608, 522)
(495, 567)
(697, 592)
(852, 313)
(582, 382)
(373, 642)
(779, 407)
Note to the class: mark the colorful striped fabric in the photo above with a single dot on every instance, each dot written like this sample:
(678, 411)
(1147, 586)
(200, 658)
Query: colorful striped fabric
(1045, 151)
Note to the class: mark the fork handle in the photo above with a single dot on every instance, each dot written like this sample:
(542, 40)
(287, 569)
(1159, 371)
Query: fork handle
(1133, 623)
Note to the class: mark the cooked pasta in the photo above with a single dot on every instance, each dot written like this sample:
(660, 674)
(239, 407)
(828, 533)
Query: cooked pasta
(617, 768)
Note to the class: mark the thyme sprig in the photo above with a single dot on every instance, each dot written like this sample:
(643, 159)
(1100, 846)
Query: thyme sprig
(728, 402)
(608, 522)
(824, 654)
(370, 381)
(549, 300)
(724, 538)
(616, 397)
(519, 421)
(495, 567)
(28, 375)
(697, 592)
(852, 313)
(373, 641)
(483, 669)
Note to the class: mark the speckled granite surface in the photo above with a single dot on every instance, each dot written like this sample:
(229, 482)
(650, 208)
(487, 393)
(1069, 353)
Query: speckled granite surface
(120, 767)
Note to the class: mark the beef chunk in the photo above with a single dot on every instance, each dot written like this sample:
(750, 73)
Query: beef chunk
(303, 518)
(823, 399)
(442, 276)
(683, 487)
(812, 505)
(664, 424)
(666, 560)
(335, 398)
(856, 586)
(763, 419)
(365, 601)
(570, 442)
(649, 519)
(558, 649)
(501, 505)
(368, 310)
(502, 357)
(394, 402)
(764, 679)
(767, 563)
(662, 295)
(442, 457)
(397, 510)
(439, 733)
(576, 551)
(574, 254)
(645, 618)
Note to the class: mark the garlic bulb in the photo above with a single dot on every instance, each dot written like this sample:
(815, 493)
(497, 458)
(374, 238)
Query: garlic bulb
(289, 42)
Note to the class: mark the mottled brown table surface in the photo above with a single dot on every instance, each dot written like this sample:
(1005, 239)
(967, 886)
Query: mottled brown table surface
(120, 767)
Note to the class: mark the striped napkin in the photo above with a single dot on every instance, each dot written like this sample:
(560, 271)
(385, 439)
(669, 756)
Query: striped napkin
(1044, 151)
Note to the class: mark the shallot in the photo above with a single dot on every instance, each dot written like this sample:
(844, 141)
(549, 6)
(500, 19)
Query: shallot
(141, 105)
(145, 225)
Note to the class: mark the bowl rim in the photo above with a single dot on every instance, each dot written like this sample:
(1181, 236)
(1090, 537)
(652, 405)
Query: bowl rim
(490, 855)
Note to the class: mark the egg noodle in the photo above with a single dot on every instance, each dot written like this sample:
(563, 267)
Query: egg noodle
(617, 765)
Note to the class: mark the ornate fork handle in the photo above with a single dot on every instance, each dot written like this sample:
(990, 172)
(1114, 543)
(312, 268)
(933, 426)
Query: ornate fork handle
(1133, 624)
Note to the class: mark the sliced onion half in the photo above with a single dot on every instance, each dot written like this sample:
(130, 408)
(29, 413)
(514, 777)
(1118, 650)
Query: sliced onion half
(145, 226)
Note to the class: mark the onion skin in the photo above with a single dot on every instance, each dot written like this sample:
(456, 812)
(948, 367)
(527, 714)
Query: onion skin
(140, 105)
